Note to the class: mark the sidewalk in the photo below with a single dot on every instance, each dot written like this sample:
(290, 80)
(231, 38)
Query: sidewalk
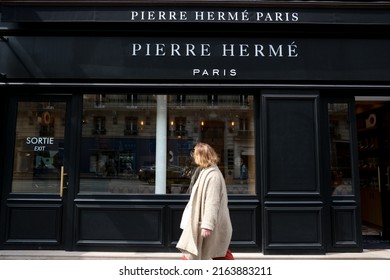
(378, 254)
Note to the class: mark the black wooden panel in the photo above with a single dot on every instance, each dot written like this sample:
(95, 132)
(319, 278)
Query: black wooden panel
(344, 226)
(174, 213)
(29, 223)
(293, 228)
(245, 223)
(291, 149)
(119, 224)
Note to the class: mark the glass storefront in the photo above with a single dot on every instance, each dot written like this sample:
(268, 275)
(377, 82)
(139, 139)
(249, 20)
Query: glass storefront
(128, 138)
(100, 137)
(140, 144)
(39, 145)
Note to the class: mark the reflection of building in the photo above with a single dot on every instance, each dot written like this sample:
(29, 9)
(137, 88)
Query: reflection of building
(119, 93)
(226, 125)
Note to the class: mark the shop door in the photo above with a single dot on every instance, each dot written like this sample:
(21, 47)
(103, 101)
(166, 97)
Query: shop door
(374, 166)
(34, 208)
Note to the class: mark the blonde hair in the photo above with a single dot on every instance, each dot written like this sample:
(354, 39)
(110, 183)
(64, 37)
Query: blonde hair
(205, 155)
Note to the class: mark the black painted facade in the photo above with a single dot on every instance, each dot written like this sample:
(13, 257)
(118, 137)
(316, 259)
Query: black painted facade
(295, 58)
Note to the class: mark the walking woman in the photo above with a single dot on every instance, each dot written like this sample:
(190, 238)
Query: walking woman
(206, 224)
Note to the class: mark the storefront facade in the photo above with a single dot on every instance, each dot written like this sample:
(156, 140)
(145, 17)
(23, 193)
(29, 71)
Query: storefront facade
(103, 101)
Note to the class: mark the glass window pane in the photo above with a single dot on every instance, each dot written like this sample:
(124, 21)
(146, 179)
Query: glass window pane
(120, 133)
(226, 122)
(340, 148)
(118, 140)
(39, 147)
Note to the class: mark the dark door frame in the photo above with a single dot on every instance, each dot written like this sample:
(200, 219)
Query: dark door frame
(60, 209)
(340, 207)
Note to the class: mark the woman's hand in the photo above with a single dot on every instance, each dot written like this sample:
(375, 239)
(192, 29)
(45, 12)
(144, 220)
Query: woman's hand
(206, 232)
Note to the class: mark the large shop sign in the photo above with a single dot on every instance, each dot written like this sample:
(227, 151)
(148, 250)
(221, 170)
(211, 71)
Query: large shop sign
(188, 58)
(160, 14)
(207, 15)
(223, 51)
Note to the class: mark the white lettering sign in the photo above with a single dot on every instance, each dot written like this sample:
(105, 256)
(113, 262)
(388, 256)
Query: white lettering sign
(39, 142)
(204, 50)
(214, 16)
(196, 72)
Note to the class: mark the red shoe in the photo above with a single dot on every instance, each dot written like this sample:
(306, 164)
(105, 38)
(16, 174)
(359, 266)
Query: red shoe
(228, 256)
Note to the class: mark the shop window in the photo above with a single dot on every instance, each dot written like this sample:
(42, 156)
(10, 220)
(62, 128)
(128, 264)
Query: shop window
(39, 146)
(123, 158)
(340, 149)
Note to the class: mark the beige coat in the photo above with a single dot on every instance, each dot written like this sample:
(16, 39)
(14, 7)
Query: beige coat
(210, 211)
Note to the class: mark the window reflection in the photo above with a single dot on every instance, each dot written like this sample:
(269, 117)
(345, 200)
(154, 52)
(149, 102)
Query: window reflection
(39, 147)
(120, 132)
(340, 148)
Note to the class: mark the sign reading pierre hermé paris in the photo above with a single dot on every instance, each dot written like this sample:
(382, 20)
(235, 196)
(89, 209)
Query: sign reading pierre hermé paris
(178, 58)
(192, 57)
(194, 14)
(221, 15)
